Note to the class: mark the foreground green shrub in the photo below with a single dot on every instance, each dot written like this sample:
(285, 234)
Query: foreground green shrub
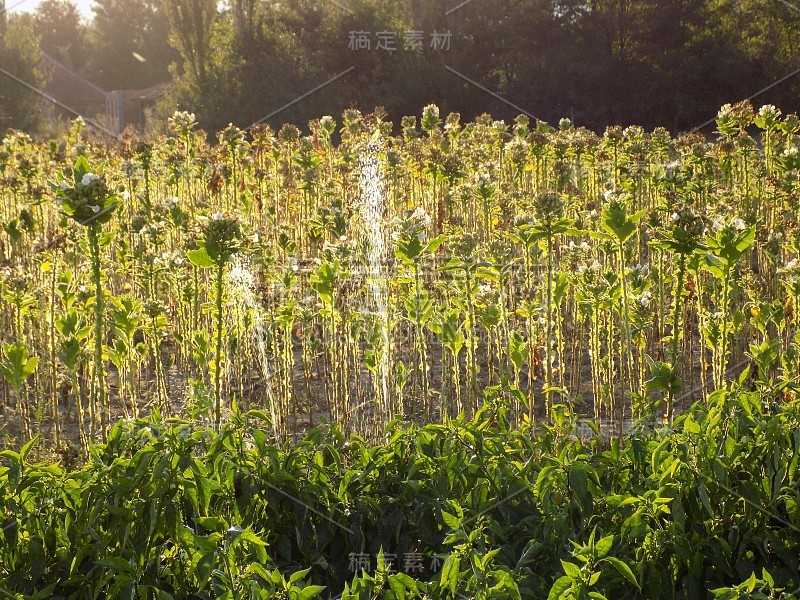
(174, 510)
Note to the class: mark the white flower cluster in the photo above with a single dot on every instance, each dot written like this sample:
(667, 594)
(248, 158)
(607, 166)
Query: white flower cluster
(451, 127)
(769, 111)
(596, 267)
(792, 271)
(582, 247)
(430, 112)
(518, 148)
(719, 223)
(16, 138)
(644, 299)
(183, 119)
(421, 216)
(153, 229)
(84, 199)
(169, 259)
(482, 181)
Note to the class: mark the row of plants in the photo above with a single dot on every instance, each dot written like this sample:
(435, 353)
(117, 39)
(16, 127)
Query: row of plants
(476, 508)
(624, 274)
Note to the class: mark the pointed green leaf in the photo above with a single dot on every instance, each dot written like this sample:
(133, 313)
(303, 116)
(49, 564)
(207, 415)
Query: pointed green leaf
(624, 570)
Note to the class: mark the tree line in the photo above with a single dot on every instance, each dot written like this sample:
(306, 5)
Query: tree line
(649, 62)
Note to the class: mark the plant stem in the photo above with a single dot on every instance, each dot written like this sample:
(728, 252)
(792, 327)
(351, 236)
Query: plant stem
(723, 357)
(627, 347)
(218, 347)
(98, 381)
(548, 367)
(675, 332)
(421, 344)
(473, 371)
(53, 371)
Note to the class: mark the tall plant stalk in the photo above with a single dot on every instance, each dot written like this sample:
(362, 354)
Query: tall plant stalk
(219, 289)
(98, 393)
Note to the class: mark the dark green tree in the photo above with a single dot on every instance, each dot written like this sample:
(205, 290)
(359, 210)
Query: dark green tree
(63, 34)
(191, 28)
(20, 108)
(130, 40)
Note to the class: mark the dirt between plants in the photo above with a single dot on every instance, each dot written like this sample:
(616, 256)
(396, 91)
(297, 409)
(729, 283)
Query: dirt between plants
(310, 393)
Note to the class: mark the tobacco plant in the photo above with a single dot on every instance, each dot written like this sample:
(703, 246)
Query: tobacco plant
(85, 198)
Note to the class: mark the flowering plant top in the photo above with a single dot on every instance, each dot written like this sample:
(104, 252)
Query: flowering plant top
(84, 196)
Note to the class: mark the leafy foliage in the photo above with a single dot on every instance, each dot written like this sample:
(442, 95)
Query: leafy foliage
(172, 509)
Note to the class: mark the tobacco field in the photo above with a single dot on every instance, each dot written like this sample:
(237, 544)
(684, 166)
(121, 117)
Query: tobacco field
(428, 359)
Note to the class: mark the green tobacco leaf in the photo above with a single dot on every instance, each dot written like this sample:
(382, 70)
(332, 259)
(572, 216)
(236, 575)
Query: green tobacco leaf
(703, 493)
(434, 244)
(117, 564)
(505, 583)
(452, 521)
(617, 222)
(601, 235)
(604, 545)
(10, 455)
(662, 377)
(746, 239)
(23, 453)
(518, 350)
(311, 591)
(579, 480)
(402, 583)
(452, 265)
(409, 249)
(624, 570)
(450, 572)
(560, 588)
(16, 366)
(212, 523)
(203, 568)
(249, 536)
(200, 258)
(81, 168)
(298, 575)
(572, 570)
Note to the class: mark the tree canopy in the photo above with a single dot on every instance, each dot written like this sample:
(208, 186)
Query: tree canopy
(19, 58)
(649, 62)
